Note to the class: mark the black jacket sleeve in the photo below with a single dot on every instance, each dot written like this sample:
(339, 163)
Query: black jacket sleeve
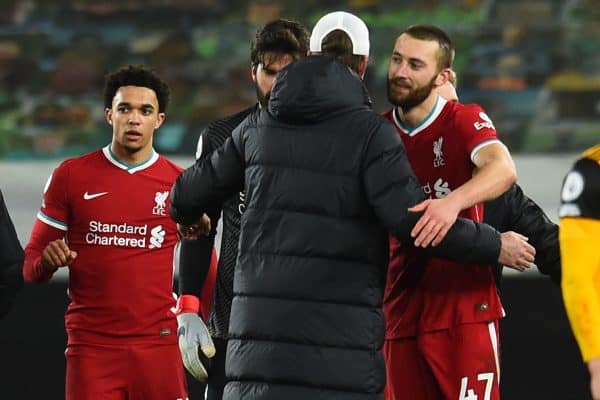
(514, 211)
(11, 260)
(195, 255)
(194, 262)
(209, 182)
(392, 187)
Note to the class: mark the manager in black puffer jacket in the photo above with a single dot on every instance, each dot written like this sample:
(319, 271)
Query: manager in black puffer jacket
(325, 178)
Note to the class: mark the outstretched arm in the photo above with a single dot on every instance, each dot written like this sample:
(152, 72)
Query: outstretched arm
(494, 174)
(517, 212)
(207, 183)
(392, 188)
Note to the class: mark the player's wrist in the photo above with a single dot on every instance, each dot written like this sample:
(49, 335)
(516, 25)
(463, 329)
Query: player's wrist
(457, 201)
(46, 267)
(187, 303)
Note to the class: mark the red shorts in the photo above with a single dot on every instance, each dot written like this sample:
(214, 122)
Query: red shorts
(458, 363)
(125, 372)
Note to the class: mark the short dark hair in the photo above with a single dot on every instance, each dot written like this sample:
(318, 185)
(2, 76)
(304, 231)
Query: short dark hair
(337, 44)
(433, 33)
(136, 75)
(280, 36)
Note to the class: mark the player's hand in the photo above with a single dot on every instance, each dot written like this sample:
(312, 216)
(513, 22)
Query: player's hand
(192, 232)
(57, 254)
(439, 216)
(195, 344)
(516, 253)
(594, 368)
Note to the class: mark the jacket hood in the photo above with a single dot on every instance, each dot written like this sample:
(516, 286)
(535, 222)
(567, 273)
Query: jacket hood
(315, 88)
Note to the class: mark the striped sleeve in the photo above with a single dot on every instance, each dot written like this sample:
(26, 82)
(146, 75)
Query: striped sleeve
(54, 210)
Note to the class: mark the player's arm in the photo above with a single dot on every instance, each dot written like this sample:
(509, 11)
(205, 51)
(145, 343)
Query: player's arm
(195, 343)
(195, 255)
(194, 338)
(495, 172)
(392, 187)
(206, 184)
(45, 253)
(194, 262)
(11, 260)
(525, 216)
(46, 250)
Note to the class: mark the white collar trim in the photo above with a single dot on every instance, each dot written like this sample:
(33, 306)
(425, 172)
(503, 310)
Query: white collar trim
(440, 103)
(131, 168)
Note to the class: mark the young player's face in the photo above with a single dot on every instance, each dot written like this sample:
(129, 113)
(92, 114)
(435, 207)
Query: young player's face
(134, 117)
(412, 72)
(264, 74)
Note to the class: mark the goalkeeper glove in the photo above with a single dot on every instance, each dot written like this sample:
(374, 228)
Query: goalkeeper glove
(195, 343)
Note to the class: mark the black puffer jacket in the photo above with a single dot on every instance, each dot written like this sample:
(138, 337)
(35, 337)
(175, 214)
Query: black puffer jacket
(514, 211)
(326, 178)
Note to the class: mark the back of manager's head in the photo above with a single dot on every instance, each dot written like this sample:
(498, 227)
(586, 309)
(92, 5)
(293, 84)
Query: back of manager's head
(342, 36)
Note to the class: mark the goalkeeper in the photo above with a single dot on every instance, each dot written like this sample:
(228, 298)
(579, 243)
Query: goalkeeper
(276, 45)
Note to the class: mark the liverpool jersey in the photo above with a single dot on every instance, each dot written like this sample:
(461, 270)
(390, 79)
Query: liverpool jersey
(426, 294)
(116, 217)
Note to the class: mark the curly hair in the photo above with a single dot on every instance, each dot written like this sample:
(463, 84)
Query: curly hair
(281, 36)
(136, 75)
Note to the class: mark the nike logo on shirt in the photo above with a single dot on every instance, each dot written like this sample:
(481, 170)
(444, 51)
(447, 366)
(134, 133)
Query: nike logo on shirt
(88, 196)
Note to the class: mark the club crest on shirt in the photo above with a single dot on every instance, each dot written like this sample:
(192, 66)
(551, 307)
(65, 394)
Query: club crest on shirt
(438, 161)
(160, 198)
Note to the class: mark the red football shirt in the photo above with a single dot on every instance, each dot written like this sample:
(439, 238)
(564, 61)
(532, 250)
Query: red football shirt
(116, 217)
(436, 294)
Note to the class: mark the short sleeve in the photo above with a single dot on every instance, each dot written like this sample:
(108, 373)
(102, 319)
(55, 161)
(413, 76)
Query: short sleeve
(54, 209)
(475, 128)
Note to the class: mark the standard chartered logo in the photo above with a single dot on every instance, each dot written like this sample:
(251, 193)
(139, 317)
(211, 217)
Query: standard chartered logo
(440, 186)
(124, 235)
(157, 237)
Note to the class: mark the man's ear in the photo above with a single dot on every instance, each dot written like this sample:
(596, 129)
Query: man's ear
(362, 66)
(253, 70)
(159, 120)
(108, 115)
(443, 77)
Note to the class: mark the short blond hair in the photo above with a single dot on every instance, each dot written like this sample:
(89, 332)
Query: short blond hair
(452, 78)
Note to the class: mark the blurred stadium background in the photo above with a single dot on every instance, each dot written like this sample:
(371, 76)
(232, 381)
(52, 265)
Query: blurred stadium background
(533, 65)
